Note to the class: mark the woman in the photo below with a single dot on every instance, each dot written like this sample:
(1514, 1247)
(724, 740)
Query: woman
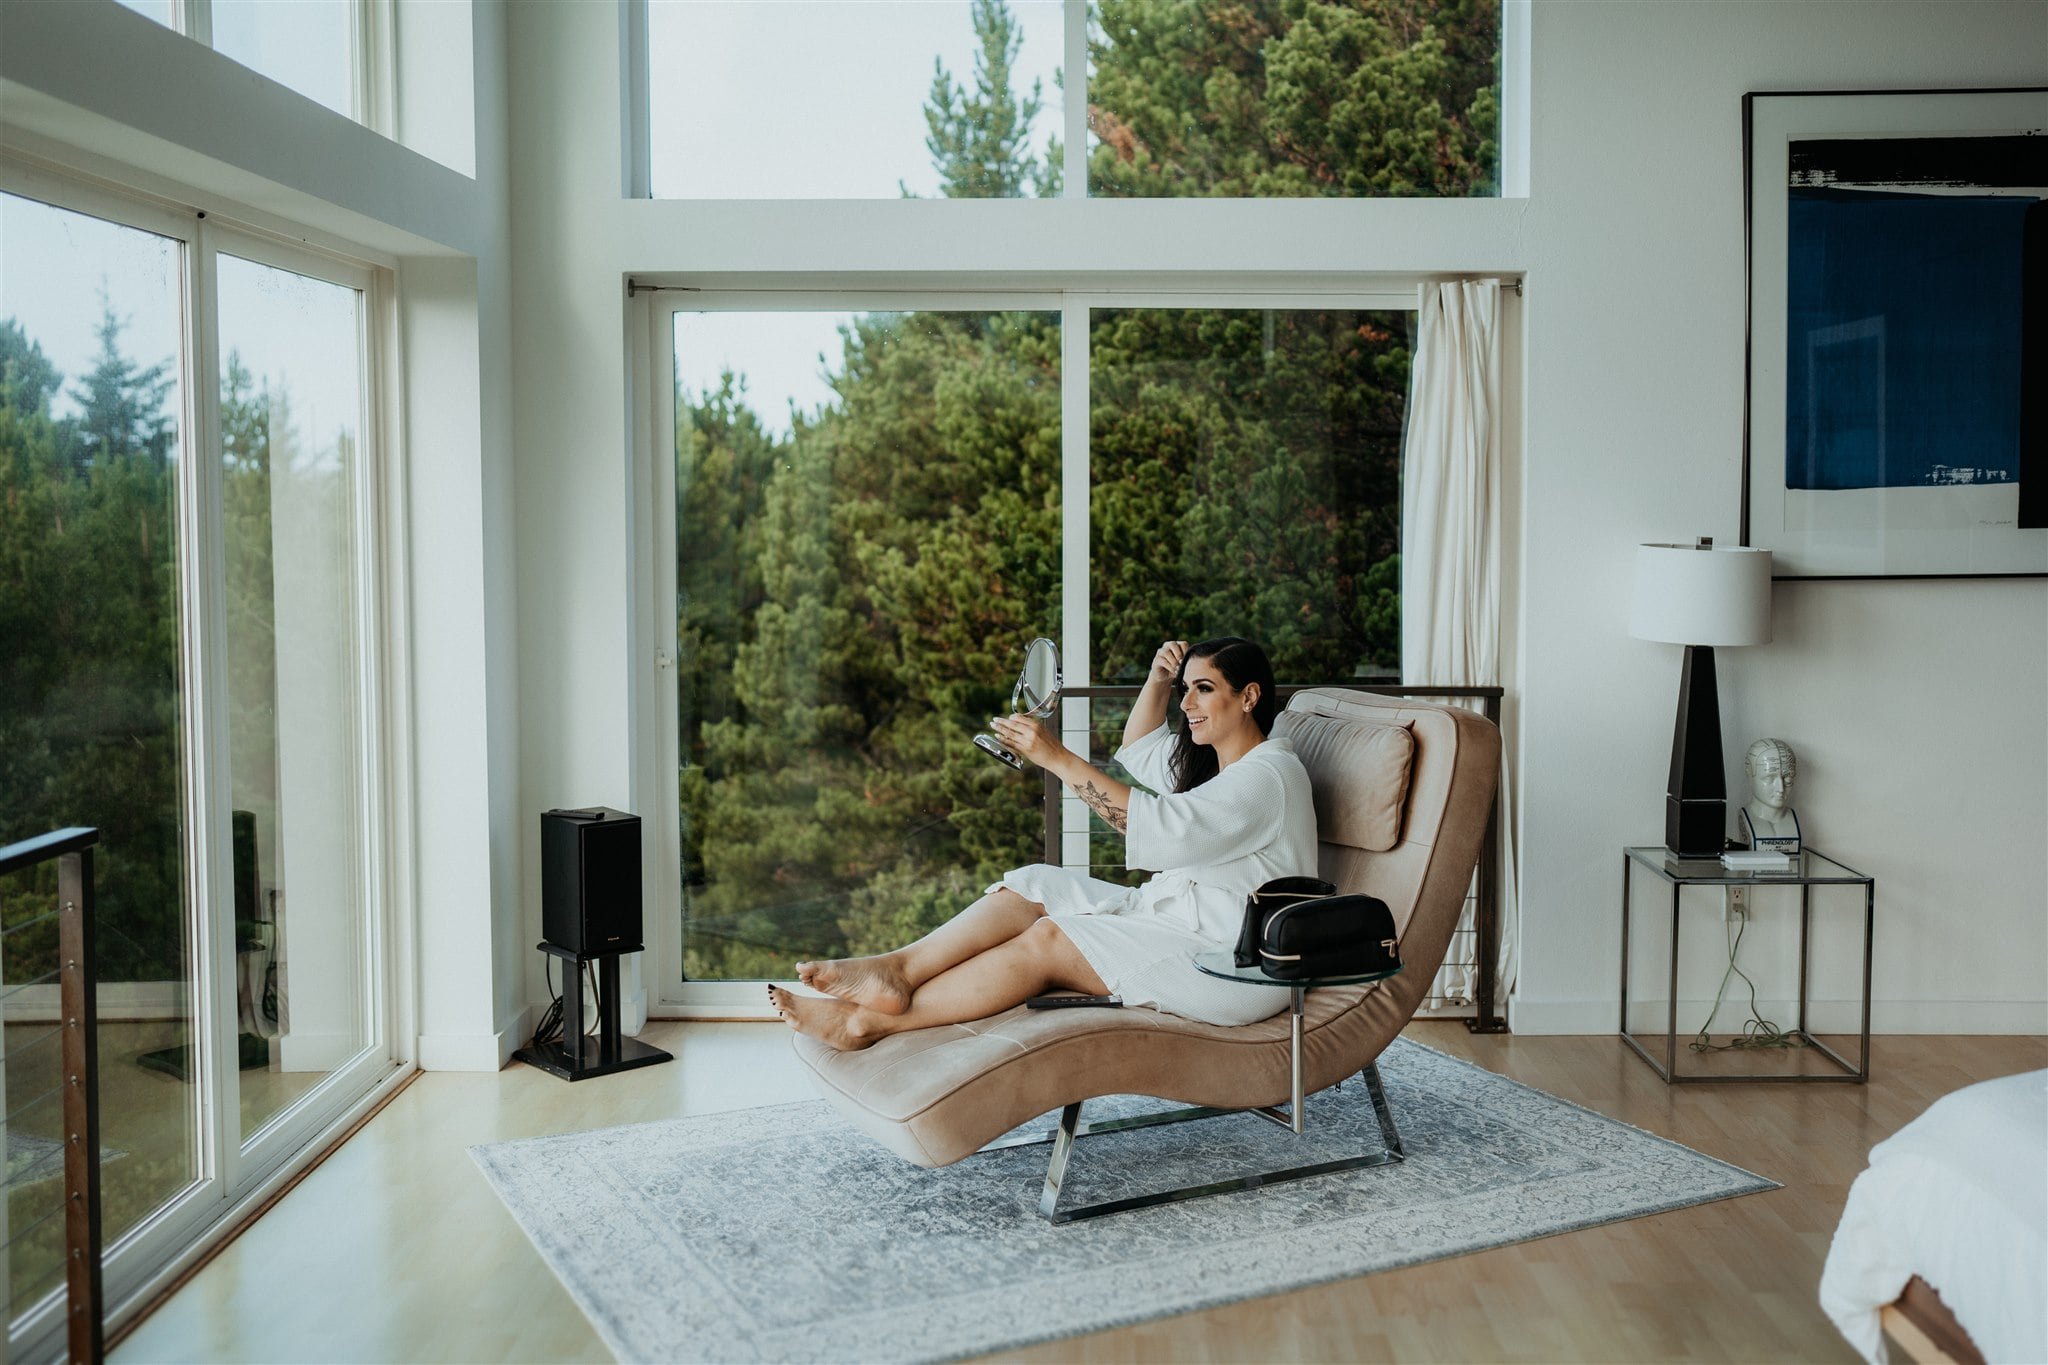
(1235, 811)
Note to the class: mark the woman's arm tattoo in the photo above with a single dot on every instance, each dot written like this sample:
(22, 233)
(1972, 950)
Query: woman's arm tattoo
(1099, 802)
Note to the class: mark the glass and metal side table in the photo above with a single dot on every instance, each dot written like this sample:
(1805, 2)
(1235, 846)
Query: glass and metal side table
(1811, 870)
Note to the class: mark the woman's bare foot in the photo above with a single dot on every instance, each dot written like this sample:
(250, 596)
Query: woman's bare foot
(874, 982)
(835, 1023)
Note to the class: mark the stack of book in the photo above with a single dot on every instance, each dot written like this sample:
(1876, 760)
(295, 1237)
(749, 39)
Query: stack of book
(1759, 860)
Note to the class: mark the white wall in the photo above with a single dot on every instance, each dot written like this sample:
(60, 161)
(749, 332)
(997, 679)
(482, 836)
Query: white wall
(1918, 708)
(569, 368)
(465, 677)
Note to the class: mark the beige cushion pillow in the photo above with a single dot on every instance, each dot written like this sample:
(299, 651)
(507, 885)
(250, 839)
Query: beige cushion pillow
(1360, 773)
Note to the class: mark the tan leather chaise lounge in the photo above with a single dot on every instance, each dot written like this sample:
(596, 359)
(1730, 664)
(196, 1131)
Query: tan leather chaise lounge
(1403, 791)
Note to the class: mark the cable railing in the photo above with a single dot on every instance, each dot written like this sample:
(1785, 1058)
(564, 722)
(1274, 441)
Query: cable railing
(1486, 894)
(76, 973)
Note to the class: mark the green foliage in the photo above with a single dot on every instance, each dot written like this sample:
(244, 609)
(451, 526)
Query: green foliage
(1247, 470)
(27, 378)
(853, 598)
(124, 412)
(1294, 98)
(980, 141)
(89, 682)
(90, 727)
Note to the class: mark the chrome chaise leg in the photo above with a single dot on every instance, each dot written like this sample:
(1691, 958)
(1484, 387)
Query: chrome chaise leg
(1389, 1135)
(1056, 1169)
(1071, 1128)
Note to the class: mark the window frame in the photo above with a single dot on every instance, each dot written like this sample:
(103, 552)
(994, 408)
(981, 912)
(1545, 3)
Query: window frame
(636, 117)
(232, 1175)
(372, 25)
(657, 670)
(293, 1125)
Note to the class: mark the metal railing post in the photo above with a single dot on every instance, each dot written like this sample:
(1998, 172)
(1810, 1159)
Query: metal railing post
(1486, 914)
(78, 996)
(78, 1058)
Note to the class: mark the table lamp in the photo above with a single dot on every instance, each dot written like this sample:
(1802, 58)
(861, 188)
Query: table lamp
(1699, 596)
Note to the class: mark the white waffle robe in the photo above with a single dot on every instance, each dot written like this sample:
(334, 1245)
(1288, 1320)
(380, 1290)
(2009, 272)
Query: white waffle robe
(1252, 822)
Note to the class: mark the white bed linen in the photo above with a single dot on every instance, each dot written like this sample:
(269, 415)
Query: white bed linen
(1959, 1197)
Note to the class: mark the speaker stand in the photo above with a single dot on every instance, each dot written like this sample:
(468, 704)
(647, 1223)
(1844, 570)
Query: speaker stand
(577, 1057)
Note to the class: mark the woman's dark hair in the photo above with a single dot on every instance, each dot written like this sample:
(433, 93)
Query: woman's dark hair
(1241, 663)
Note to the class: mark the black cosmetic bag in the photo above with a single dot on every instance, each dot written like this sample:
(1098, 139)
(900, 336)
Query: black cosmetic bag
(1274, 896)
(1297, 927)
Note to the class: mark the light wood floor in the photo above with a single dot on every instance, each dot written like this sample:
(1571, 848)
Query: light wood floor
(396, 1250)
(146, 1130)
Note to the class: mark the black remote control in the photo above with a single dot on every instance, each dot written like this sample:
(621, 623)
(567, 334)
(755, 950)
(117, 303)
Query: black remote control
(1061, 1002)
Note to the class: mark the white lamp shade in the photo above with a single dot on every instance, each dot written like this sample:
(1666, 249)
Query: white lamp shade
(1686, 595)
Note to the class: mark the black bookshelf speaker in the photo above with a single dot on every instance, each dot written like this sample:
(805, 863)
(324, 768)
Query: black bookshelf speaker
(590, 880)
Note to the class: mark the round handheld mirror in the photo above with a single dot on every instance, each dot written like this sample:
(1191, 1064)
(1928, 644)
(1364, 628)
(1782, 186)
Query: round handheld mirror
(1034, 697)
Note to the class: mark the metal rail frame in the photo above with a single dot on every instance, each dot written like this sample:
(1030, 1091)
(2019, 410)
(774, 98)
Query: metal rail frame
(85, 1319)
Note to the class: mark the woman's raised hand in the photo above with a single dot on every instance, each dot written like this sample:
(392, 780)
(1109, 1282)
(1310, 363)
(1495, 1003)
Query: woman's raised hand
(1026, 739)
(1148, 712)
(1166, 663)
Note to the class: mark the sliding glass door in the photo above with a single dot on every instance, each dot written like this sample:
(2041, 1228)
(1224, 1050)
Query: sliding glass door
(861, 543)
(94, 702)
(874, 508)
(292, 405)
(189, 599)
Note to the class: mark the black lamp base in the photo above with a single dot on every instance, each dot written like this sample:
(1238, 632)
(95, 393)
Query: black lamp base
(1694, 829)
(1696, 799)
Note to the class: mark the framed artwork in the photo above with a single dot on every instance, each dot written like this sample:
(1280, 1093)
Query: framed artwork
(1896, 415)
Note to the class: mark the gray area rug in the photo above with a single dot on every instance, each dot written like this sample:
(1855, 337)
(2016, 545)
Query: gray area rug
(780, 1234)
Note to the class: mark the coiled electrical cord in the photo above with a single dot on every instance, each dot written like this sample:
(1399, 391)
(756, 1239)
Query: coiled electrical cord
(1757, 1031)
(549, 1029)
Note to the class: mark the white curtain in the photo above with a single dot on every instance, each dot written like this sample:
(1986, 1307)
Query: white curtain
(1450, 547)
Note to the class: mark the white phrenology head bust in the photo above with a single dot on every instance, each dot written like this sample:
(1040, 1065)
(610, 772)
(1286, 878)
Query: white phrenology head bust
(1771, 768)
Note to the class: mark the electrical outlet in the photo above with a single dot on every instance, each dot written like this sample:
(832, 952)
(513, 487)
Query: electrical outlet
(1738, 903)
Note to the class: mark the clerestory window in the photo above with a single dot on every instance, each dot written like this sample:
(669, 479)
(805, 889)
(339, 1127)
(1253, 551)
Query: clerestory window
(822, 99)
(319, 48)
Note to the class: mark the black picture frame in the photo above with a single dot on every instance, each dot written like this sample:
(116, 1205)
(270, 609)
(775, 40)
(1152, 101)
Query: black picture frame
(1880, 449)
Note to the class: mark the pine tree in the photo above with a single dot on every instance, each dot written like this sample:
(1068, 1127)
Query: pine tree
(870, 582)
(980, 142)
(89, 683)
(1273, 98)
(121, 404)
(28, 381)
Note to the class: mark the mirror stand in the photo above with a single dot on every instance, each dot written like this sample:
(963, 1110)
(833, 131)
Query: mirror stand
(989, 744)
(1034, 697)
